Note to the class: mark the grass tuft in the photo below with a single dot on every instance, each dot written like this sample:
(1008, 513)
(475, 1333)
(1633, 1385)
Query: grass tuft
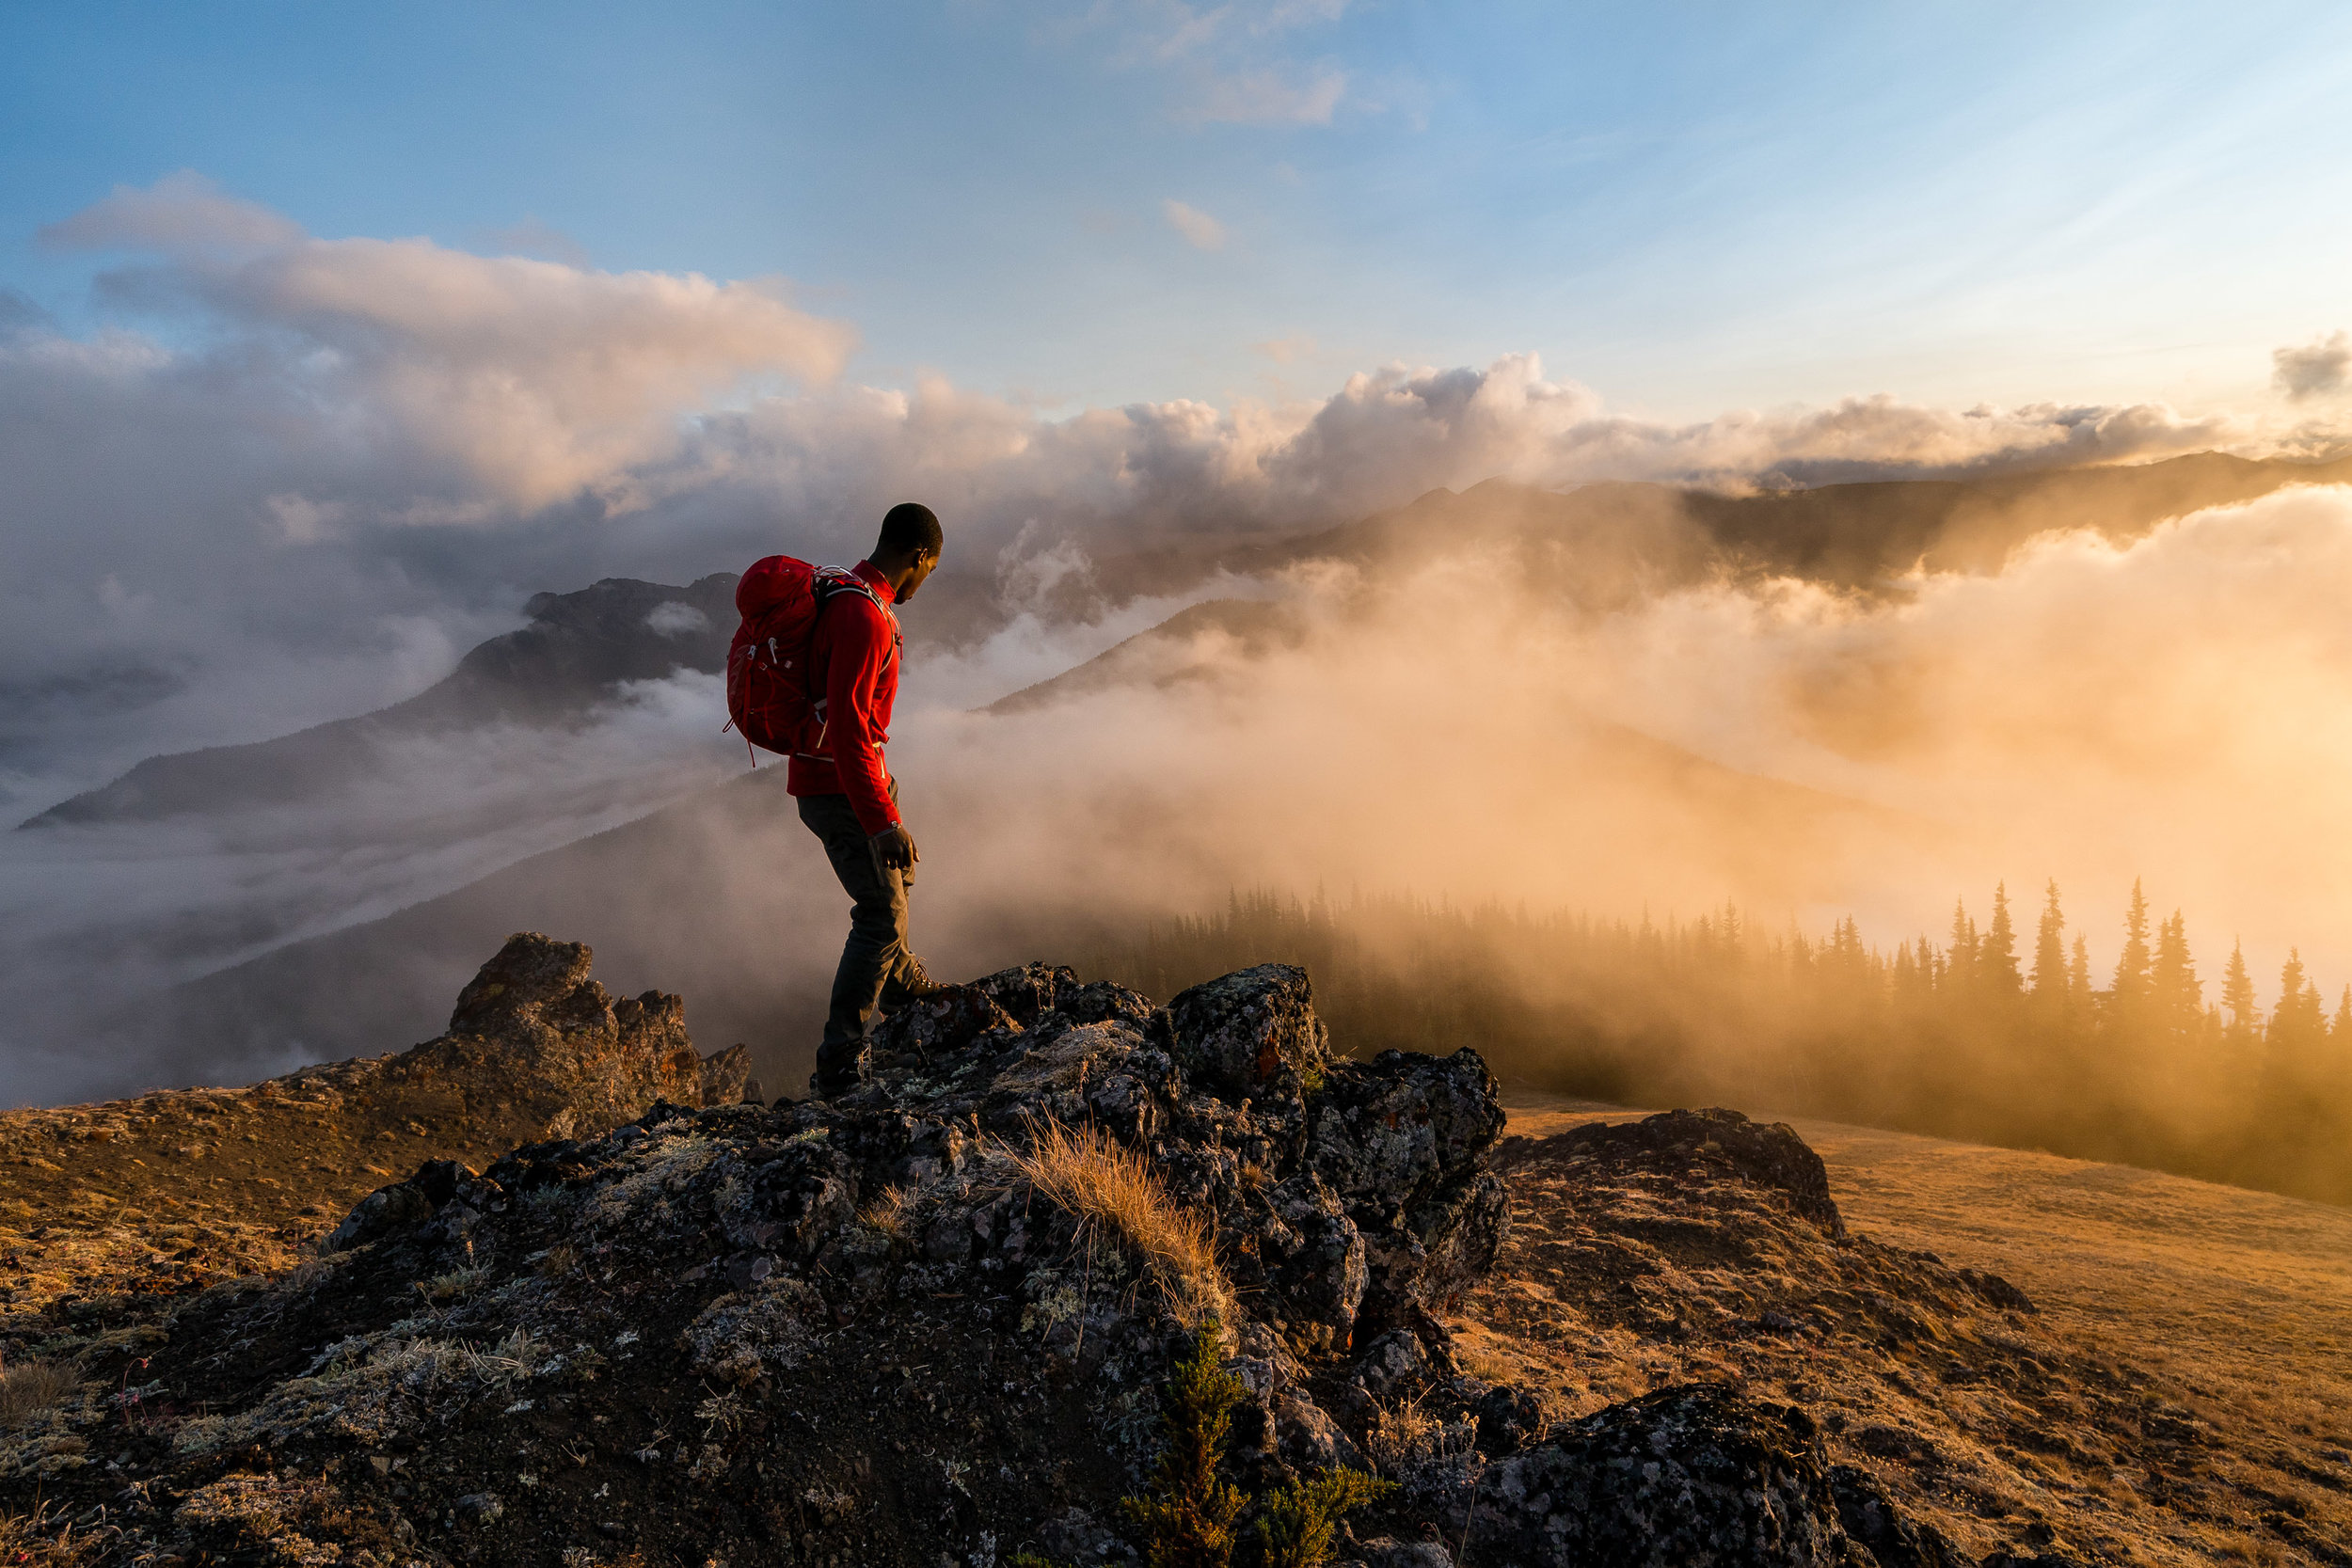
(1103, 1185)
(30, 1388)
(886, 1214)
(37, 1540)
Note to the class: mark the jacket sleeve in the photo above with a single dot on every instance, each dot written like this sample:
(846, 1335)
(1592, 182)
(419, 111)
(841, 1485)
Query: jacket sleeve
(861, 652)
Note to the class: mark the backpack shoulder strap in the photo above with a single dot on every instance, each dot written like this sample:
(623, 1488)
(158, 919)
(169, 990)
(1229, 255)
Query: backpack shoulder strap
(831, 581)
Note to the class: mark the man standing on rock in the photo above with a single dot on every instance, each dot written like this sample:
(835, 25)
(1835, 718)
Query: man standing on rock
(847, 796)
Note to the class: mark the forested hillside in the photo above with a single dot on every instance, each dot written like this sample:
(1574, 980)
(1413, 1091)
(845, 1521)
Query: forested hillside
(1997, 1034)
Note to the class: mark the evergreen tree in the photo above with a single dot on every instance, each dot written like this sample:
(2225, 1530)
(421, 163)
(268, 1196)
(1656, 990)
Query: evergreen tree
(2080, 1001)
(1996, 957)
(2049, 955)
(2179, 997)
(2340, 1032)
(2237, 995)
(1960, 955)
(2133, 979)
(2298, 1029)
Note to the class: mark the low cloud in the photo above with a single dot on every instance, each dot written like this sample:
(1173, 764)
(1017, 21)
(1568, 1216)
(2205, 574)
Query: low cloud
(1200, 231)
(2317, 368)
(370, 452)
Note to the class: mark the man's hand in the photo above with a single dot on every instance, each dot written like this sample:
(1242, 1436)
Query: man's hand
(893, 846)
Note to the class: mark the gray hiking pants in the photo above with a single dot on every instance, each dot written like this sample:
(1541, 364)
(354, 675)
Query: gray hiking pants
(876, 953)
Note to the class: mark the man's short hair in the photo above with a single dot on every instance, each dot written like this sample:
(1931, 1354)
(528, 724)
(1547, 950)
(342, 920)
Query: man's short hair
(911, 528)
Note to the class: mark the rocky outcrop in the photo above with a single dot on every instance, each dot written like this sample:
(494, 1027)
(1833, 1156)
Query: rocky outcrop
(1694, 1474)
(177, 1189)
(1679, 1143)
(532, 1029)
(891, 1328)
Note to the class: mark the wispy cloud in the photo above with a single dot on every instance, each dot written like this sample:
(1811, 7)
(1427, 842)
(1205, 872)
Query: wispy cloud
(1200, 231)
(2319, 367)
(1276, 96)
(182, 213)
(1229, 61)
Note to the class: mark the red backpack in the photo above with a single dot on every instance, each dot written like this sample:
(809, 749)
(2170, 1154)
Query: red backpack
(769, 700)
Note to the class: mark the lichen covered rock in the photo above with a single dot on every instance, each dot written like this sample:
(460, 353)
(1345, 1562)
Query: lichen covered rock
(1691, 1474)
(869, 1329)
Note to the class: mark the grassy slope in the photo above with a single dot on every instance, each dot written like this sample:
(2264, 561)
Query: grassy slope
(2227, 1314)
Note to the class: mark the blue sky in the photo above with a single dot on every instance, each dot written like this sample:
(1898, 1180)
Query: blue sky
(1688, 207)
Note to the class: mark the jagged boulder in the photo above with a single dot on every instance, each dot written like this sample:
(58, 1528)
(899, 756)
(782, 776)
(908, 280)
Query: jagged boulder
(1771, 1157)
(1693, 1474)
(533, 1017)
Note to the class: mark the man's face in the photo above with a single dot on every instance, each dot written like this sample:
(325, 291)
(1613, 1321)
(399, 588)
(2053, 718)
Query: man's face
(923, 564)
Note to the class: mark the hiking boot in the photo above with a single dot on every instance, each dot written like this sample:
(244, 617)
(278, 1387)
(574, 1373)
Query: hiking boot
(911, 984)
(839, 1069)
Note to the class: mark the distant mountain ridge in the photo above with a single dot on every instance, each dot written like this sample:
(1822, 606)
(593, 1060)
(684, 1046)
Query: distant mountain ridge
(578, 648)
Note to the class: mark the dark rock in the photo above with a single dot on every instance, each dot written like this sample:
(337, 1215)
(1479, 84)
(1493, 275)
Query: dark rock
(438, 1180)
(1687, 1475)
(1999, 1291)
(946, 1021)
(1394, 1366)
(1027, 993)
(1250, 1033)
(1771, 1157)
(1314, 1257)
(1076, 1536)
(723, 1075)
(1386, 1552)
(1508, 1421)
(383, 1212)
(1406, 1136)
(1895, 1541)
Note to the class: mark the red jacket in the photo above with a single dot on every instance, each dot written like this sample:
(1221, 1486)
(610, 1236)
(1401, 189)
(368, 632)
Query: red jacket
(854, 659)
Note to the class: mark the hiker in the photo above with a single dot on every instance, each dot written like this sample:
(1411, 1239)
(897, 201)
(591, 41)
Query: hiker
(846, 793)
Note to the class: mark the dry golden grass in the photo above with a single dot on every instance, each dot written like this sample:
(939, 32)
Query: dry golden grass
(32, 1386)
(2167, 1306)
(1109, 1188)
(36, 1541)
(887, 1214)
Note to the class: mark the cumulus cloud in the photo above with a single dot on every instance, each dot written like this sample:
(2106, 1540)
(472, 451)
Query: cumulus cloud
(535, 379)
(532, 237)
(1200, 231)
(2324, 365)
